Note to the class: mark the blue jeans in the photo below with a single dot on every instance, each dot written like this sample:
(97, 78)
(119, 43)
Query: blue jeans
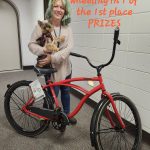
(65, 95)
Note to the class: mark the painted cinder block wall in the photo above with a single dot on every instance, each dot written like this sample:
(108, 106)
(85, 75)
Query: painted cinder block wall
(129, 73)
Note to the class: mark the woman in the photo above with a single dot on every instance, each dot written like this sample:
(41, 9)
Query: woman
(58, 14)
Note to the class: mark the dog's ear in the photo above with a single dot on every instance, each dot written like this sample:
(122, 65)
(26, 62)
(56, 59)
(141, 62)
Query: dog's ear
(40, 23)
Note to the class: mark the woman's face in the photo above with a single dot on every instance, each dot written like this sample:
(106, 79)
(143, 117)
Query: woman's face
(58, 10)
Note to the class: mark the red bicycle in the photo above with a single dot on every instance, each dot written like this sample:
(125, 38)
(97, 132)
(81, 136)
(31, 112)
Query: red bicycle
(115, 123)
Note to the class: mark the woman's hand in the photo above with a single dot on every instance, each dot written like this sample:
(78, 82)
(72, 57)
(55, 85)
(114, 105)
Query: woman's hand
(45, 61)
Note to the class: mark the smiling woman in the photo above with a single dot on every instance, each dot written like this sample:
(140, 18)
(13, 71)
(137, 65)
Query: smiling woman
(58, 16)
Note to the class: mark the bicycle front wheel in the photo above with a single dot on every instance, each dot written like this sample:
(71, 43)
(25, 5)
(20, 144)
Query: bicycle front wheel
(15, 98)
(107, 130)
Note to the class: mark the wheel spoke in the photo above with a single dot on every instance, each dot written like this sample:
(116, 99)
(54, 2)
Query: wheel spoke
(16, 103)
(106, 131)
(19, 97)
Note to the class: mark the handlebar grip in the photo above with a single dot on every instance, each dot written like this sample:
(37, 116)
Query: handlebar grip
(116, 34)
(76, 55)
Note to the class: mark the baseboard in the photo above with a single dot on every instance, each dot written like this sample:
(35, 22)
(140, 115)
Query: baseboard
(146, 137)
(28, 67)
(91, 103)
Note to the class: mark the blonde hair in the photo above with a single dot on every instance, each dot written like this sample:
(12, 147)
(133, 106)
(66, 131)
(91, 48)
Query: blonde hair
(67, 16)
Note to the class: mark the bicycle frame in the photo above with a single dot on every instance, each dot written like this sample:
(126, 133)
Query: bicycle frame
(87, 93)
(86, 96)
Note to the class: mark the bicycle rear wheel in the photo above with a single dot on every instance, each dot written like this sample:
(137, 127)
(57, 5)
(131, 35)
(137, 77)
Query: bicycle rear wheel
(16, 97)
(113, 137)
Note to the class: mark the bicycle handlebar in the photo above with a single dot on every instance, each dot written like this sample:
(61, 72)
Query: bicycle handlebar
(78, 55)
(116, 34)
(116, 41)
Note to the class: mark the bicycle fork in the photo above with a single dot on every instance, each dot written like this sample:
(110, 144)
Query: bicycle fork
(107, 112)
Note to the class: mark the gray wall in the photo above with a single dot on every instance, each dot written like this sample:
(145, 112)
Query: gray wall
(130, 71)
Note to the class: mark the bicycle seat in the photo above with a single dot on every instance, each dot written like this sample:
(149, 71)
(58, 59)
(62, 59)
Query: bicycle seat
(44, 71)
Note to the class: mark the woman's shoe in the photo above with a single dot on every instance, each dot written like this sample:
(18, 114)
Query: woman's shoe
(73, 121)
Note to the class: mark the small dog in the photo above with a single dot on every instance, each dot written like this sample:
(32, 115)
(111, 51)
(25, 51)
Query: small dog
(47, 40)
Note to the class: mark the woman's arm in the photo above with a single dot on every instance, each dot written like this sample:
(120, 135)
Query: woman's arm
(61, 55)
(33, 45)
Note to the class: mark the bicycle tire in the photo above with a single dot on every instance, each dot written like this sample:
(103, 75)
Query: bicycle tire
(105, 136)
(21, 124)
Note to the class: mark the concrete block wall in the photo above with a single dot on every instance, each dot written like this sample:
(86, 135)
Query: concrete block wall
(129, 73)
